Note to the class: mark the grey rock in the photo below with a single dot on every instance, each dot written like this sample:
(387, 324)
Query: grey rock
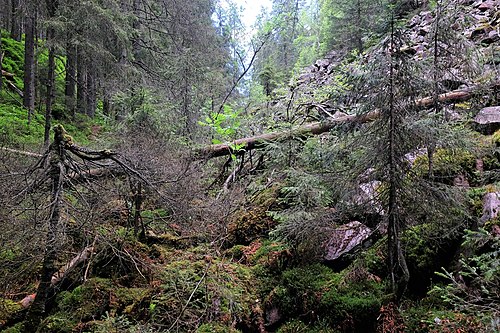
(412, 157)
(491, 204)
(345, 238)
(489, 115)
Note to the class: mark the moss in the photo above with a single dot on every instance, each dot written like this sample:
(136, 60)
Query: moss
(223, 289)
(236, 252)
(315, 291)
(496, 138)
(216, 328)
(90, 300)
(129, 300)
(60, 322)
(299, 289)
(7, 309)
(422, 319)
(374, 258)
(297, 326)
(252, 221)
(419, 251)
(17, 328)
(447, 164)
(427, 249)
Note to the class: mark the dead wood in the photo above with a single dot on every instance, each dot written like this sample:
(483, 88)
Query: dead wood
(259, 141)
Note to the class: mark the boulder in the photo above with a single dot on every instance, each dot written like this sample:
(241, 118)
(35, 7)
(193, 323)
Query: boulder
(345, 238)
(367, 196)
(488, 119)
(491, 203)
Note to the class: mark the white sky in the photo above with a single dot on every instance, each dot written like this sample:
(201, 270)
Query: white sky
(252, 9)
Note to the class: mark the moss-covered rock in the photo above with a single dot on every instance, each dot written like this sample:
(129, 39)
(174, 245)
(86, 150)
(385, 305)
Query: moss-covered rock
(8, 308)
(447, 164)
(252, 221)
(60, 322)
(316, 292)
(88, 301)
(197, 285)
(426, 251)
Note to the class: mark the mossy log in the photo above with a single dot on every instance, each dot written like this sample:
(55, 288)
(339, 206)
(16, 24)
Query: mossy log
(316, 128)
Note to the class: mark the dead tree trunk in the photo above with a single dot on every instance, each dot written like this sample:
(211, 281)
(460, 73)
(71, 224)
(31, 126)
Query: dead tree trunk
(57, 156)
(29, 66)
(259, 141)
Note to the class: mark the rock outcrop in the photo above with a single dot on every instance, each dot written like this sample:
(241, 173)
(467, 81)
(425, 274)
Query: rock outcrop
(344, 239)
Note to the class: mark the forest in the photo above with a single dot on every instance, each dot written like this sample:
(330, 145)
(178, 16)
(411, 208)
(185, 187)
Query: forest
(165, 166)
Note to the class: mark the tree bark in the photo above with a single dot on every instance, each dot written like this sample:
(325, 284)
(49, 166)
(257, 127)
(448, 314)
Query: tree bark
(81, 91)
(29, 67)
(57, 174)
(70, 79)
(51, 9)
(259, 141)
(91, 100)
(50, 90)
(15, 28)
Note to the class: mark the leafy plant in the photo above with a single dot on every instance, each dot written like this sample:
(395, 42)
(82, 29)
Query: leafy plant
(476, 289)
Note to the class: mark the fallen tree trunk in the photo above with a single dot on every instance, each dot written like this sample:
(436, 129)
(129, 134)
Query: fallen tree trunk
(21, 152)
(63, 271)
(259, 141)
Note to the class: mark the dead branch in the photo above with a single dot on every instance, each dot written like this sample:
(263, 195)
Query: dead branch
(21, 152)
(63, 271)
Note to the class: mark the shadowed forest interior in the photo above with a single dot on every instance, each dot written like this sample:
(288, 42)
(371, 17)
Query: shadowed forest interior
(167, 167)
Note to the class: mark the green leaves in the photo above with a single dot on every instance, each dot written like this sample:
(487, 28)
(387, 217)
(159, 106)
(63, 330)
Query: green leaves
(224, 124)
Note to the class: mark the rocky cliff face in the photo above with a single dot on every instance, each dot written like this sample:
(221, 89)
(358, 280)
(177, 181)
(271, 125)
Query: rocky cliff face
(463, 35)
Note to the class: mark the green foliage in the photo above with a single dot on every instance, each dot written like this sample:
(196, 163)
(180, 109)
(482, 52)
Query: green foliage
(478, 291)
(475, 197)
(7, 309)
(13, 60)
(216, 328)
(316, 289)
(14, 128)
(223, 124)
(447, 163)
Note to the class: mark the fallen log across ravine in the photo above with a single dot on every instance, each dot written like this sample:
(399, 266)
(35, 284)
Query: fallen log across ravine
(259, 141)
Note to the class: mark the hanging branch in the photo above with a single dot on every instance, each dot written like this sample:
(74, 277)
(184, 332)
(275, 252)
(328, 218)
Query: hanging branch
(242, 75)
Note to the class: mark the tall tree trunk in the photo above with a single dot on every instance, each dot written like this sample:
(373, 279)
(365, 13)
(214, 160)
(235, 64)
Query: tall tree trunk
(29, 67)
(81, 81)
(397, 261)
(91, 92)
(50, 92)
(15, 28)
(359, 28)
(70, 79)
(5, 15)
(51, 9)
(1, 58)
